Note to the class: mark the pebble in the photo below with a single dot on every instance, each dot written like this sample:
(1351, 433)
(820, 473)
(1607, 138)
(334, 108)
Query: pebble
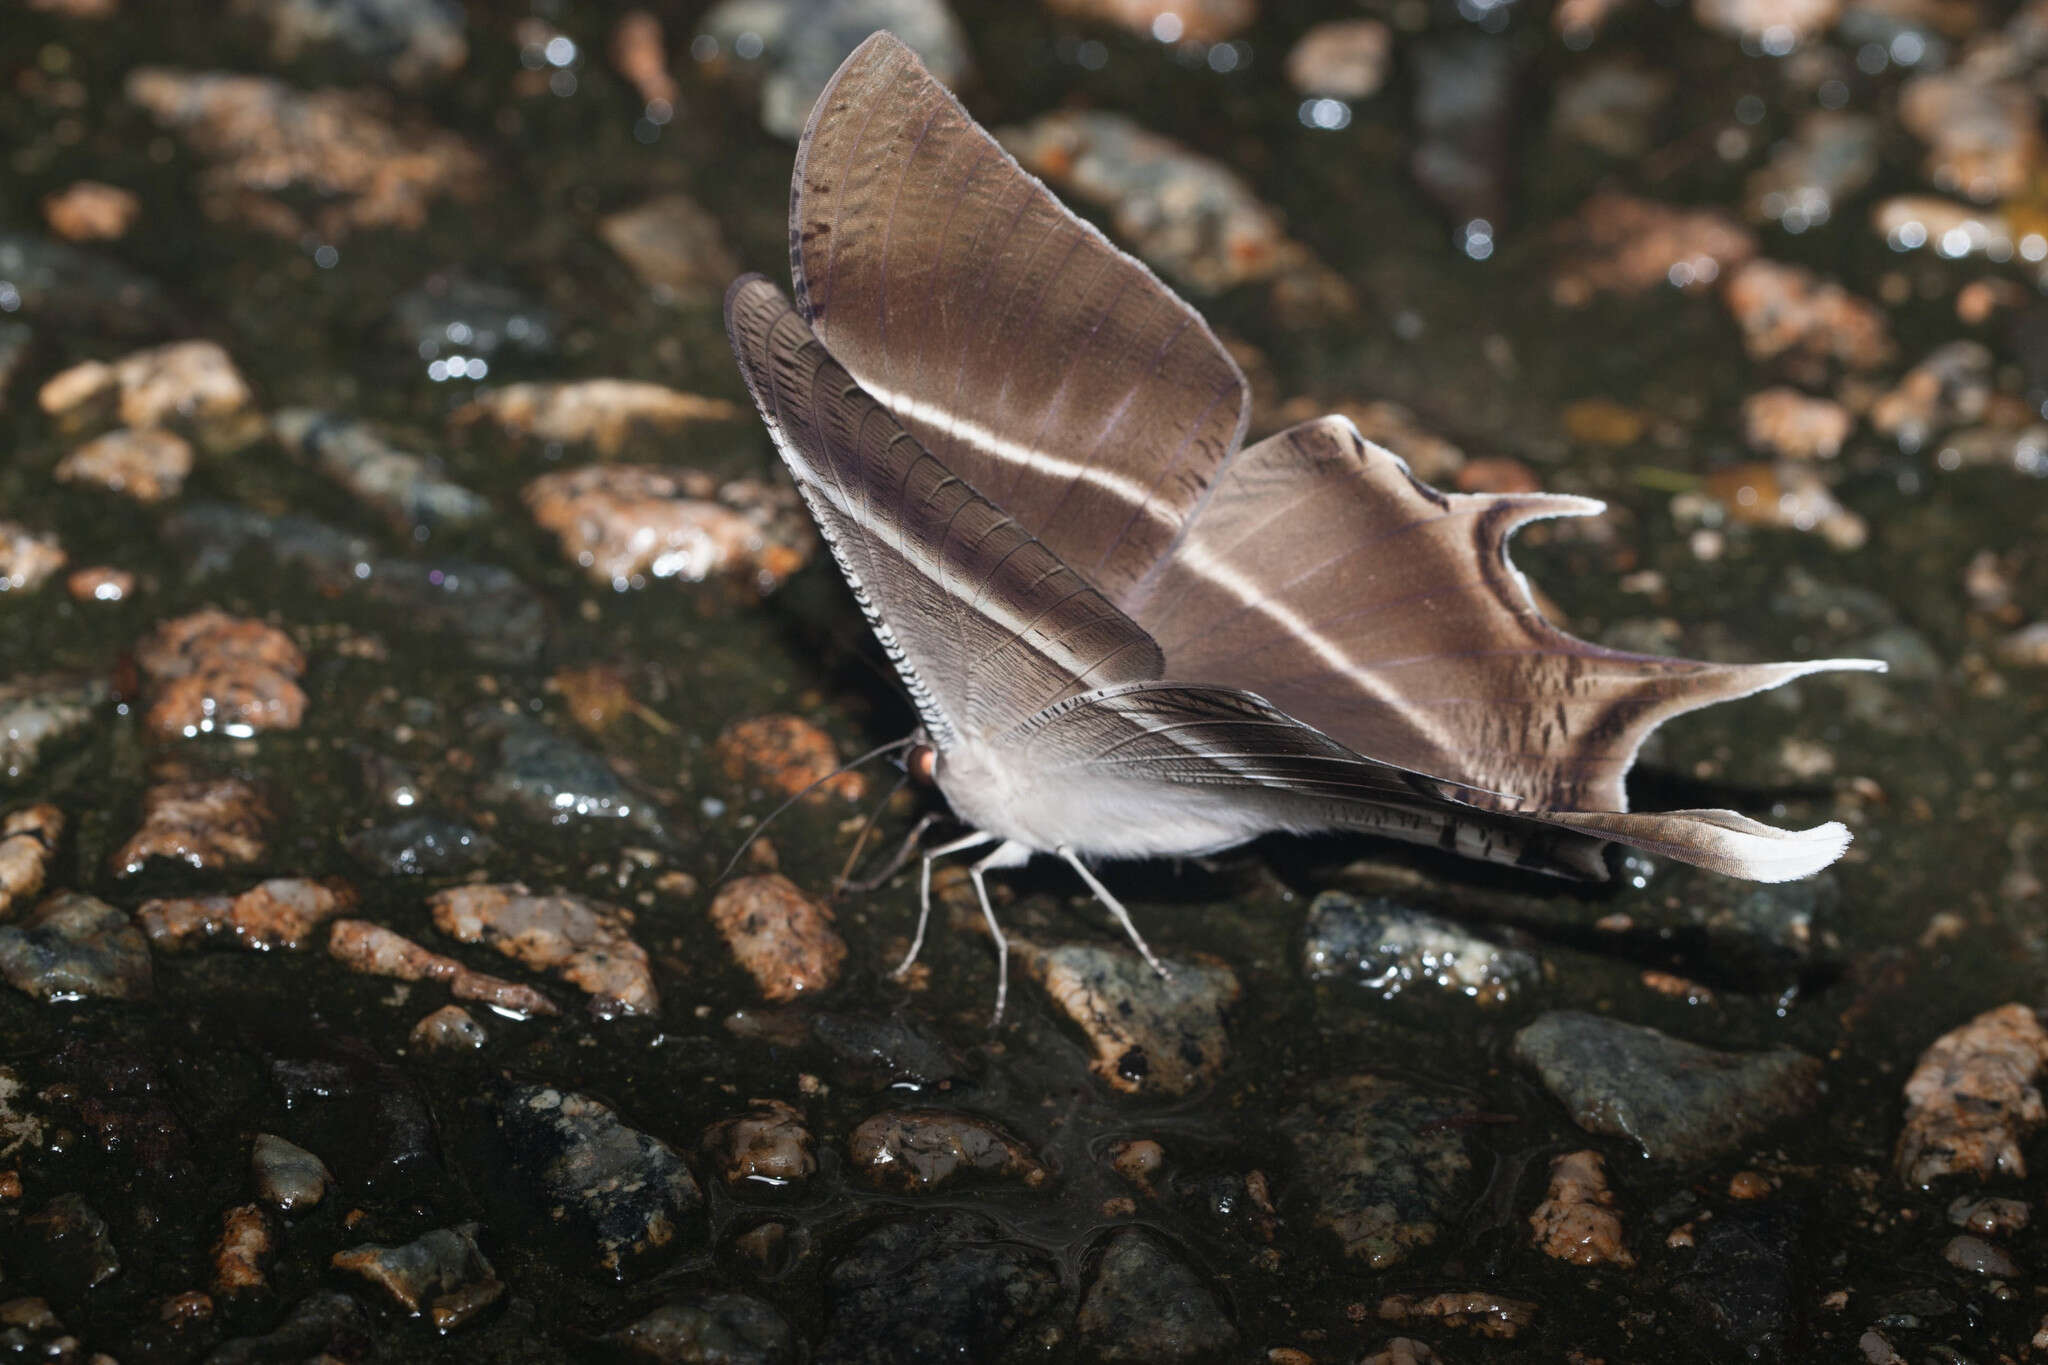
(628, 524)
(2026, 647)
(449, 1029)
(788, 755)
(28, 841)
(708, 1328)
(945, 1286)
(325, 1326)
(147, 465)
(1467, 121)
(27, 558)
(272, 148)
(194, 383)
(917, 1151)
(64, 287)
(409, 42)
(675, 247)
(243, 1252)
(1168, 21)
(1983, 139)
(1387, 947)
(1741, 1283)
(408, 490)
(782, 937)
(1788, 310)
(216, 673)
(1383, 1163)
(1769, 21)
(442, 1274)
(1795, 425)
(279, 914)
(1407, 1350)
(1979, 1257)
(1989, 1216)
(451, 313)
(1611, 106)
(376, 951)
(1341, 59)
(288, 1178)
(1914, 222)
(586, 943)
(91, 211)
(800, 44)
(39, 710)
(1490, 1315)
(1147, 1304)
(550, 777)
(622, 1194)
(421, 846)
(1952, 386)
(1830, 155)
(1676, 1100)
(1973, 1100)
(769, 1146)
(75, 1242)
(639, 52)
(1577, 1221)
(609, 415)
(891, 1051)
(75, 946)
(1620, 244)
(1149, 1035)
(1787, 494)
(100, 584)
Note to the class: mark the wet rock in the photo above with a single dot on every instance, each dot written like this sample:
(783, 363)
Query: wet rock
(89, 211)
(208, 824)
(551, 777)
(2022, 449)
(442, 1274)
(1983, 139)
(407, 489)
(1150, 1036)
(1793, 496)
(1989, 1217)
(326, 1325)
(376, 951)
(675, 247)
(1576, 1221)
(1778, 25)
(893, 1050)
(353, 152)
(213, 672)
(709, 1329)
(62, 286)
(608, 414)
(42, 709)
(449, 1029)
(1795, 425)
(2026, 647)
(1611, 107)
(1407, 1350)
(1382, 1163)
(626, 524)
(621, 1193)
(1190, 217)
(783, 938)
(1976, 1256)
(398, 1148)
(1912, 222)
(768, 1146)
(1466, 128)
(28, 840)
(147, 465)
(280, 914)
(193, 383)
(1146, 1304)
(584, 942)
(917, 1151)
(421, 846)
(788, 755)
(288, 1177)
(452, 314)
(1951, 386)
(1388, 947)
(1829, 157)
(1167, 21)
(1676, 1100)
(76, 1242)
(1972, 1100)
(101, 584)
(800, 43)
(1620, 244)
(947, 1286)
(412, 42)
(1744, 1278)
(27, 558)
(639, 52)
(1786, 310)
(1341, 59)
(243, 1252)
(1490, 1315)
(73, 946)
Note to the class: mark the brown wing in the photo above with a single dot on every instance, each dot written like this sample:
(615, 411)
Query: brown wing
(1051, 371)
(1323, 577)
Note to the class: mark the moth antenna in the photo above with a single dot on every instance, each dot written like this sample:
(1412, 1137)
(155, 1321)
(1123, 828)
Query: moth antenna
(845, 767)
(844, 881)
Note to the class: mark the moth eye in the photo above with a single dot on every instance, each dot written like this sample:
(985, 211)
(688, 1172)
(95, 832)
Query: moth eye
(922, 763)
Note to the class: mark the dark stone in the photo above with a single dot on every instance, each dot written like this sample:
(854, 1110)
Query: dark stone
(709, 1329)
(40, 710)
(892, 1049)
(1145, 1304)
(326, 1324)
(393, 1143)
(552, 777)
(406, 489)
(621, 1194)
(442, 1274)
(945, 1288)
(1677, 1100)
(72, 946)
(452, 314)
(1387, 947)
(77, 1249)
(421, 846)
(1382, 1162)
(1744, 1279)
(61, 286)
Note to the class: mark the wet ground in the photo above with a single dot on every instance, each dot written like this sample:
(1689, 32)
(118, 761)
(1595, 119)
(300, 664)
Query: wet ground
(375, 725)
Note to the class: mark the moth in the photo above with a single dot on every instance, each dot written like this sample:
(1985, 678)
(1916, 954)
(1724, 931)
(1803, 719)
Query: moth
(1126, 633)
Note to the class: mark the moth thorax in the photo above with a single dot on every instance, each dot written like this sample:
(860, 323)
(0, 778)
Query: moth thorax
(922, 763)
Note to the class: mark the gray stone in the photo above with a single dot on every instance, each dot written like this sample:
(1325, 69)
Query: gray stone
(1383, 1163)
(41, 710)
(288, 1177)
(73, 946)
(942, 1288)
(1145, 1304)
(710, 1329)
(1387, 947)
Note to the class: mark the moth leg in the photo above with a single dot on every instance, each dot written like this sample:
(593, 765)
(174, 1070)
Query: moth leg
(978, 871)
(1116, 907)
(895, 863)
(924, 890)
